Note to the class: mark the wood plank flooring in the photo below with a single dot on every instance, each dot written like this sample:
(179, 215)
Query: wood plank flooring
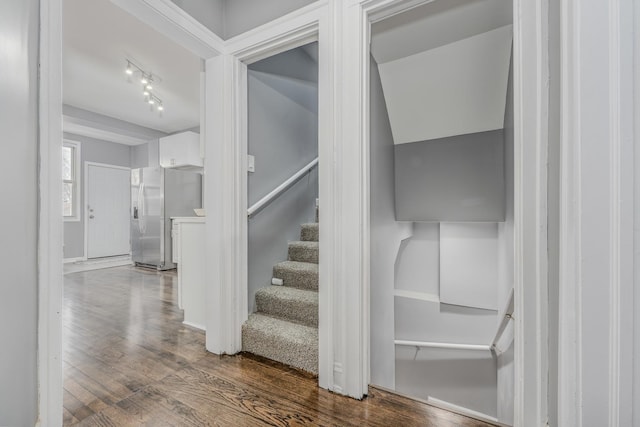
(129, 361)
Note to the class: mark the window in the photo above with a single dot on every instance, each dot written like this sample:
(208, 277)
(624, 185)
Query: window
(71, 181)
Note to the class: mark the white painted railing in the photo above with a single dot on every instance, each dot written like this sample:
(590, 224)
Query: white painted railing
(506, 314)
(452, 346)
(266, 200)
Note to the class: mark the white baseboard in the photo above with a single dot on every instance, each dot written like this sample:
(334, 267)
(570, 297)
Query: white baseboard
(194, 325)
(97, 264)
(462, 410)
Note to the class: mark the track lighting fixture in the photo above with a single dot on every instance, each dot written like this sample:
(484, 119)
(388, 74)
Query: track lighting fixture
(146, 79)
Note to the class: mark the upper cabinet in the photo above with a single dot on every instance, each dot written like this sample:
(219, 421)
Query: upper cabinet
(181, 151)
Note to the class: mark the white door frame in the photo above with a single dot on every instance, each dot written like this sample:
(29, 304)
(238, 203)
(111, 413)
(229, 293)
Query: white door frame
(227, 181)
(596, 323)
(85, 213)
(530, 228)
(169, 19)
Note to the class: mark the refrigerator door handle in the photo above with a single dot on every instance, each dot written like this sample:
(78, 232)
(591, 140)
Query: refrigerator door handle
(141, 203)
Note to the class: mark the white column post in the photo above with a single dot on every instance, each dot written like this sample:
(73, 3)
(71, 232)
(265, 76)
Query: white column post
(597, 199)
(226, 206)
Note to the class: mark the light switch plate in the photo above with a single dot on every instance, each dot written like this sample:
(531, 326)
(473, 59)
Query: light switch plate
(251, 163)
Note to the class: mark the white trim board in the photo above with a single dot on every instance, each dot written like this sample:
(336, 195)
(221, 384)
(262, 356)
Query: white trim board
(596, 215)
(50, 223)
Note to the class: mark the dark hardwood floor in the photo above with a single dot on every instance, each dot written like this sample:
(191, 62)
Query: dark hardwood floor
(129, 361)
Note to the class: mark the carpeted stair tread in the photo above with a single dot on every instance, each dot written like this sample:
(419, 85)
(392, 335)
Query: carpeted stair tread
(296, 305)
(301, 275)
(303, 252)
(286, 342)
(309, 232)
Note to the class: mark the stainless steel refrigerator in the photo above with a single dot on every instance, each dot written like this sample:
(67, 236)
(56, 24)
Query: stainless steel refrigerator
(157, 195)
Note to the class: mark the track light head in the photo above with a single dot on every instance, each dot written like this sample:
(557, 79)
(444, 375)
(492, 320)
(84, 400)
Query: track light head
(145, 79)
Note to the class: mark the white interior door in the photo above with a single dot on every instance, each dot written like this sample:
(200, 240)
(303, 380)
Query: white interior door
(107, 210)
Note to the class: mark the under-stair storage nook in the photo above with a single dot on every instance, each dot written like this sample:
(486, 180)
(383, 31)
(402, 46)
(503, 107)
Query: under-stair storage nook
(441, 213)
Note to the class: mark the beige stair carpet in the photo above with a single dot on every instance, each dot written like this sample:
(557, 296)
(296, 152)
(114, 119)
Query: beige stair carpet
(285, 325)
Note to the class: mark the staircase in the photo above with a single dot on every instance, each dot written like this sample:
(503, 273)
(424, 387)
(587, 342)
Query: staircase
(284, 327)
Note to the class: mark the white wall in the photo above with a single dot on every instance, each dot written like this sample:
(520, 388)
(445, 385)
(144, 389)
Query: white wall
(283, 137)
(18, 186)
(91, 150)
(469, 264)
(417, 265)
(462, 377)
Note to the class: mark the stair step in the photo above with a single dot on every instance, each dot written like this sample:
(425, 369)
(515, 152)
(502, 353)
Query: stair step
(286, 342)
(309, 232)
(301, 275)
(303, 252)
(291, 304)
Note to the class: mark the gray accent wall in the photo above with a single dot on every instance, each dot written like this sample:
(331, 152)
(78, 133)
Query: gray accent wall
(139, 156)
(459, 178)
(386, 237)
(244, 15)
(462, 377)
(91, 150)
(19, 20)
(209, 13)
(283, 137)
(228, 18)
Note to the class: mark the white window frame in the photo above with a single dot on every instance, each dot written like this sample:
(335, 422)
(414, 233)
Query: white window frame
(76, 180)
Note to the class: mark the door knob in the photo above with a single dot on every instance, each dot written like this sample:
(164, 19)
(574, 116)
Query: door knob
(91, 217)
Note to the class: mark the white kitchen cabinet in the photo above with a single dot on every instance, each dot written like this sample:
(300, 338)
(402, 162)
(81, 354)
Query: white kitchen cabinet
(189, 252)
(180, 151)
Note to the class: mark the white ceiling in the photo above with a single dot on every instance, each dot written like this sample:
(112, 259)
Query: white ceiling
(436, 24)
(98, 38)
